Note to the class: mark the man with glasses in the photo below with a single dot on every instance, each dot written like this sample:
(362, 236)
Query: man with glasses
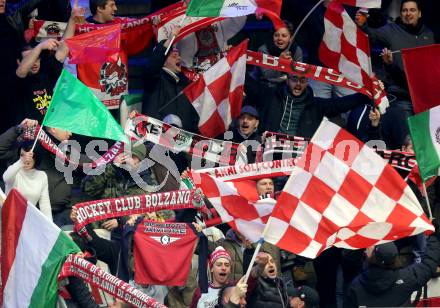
(291, 108)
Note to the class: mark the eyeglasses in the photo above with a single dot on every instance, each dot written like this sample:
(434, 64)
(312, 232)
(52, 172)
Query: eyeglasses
(297, 79)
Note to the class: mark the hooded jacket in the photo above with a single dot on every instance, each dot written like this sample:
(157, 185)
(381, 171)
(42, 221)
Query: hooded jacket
(384, 287)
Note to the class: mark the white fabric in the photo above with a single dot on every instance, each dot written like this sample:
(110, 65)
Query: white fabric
(26, 271)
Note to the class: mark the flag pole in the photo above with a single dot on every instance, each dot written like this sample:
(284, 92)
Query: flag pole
(370, 74)
(170, 101)
(174, 36)
(427, 200)
(302, 22)
(254, 256)
(36, 139)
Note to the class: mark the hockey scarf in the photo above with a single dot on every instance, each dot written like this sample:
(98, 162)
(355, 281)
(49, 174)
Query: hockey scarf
(96, 210)
(318, 73)
(97, 277)
(162, 253)
(150, 129)
(48, 144)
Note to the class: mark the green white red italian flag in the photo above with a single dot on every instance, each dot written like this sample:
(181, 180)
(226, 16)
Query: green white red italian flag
(33, 252)
(234, 8)
(425, 133)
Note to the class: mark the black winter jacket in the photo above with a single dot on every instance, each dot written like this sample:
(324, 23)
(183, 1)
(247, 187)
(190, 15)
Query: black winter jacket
(160, 88)
(380, 287)
(269, 293)
(270, 104)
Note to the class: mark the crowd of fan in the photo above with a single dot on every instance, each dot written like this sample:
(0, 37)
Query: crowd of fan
(384, 275)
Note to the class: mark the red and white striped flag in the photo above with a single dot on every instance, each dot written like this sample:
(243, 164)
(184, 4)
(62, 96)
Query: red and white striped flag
(218, 94)
(346, 48)
(343, 198)
(370, 4)
(237, 203)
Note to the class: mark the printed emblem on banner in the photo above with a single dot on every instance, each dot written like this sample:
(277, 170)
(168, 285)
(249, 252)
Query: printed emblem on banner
(437, 135)
(165, 239)
(113, 78)
(53, 29)
(182, 140)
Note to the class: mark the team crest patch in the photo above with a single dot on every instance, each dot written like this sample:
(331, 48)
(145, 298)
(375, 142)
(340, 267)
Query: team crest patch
(53, 29)
(113, 78)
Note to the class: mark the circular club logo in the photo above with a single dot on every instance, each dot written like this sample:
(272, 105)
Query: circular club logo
(113, 78)
(165, 239)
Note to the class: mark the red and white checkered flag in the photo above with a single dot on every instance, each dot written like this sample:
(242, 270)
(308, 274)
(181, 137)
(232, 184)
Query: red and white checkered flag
(218, 94)
(344, 197)
(237, 204)
(346, 48)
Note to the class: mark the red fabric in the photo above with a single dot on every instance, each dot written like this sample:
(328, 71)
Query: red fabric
(172, 16)
(414, 176)
(218, 94)
(422, 68)
(162, 253)
(109, 80)
(347, 199)
(13, 213)
(101, 45)
(271, 5)
(362, 3)
(429, 302)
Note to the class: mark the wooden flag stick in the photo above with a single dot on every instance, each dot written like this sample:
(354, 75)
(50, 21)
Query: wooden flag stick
(174, 36)
(303, 21)
(427, 200)
(36, 139)
(254, 256)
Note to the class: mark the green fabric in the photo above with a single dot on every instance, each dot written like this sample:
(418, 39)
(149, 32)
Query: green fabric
(426, 155)
(76, 109)
(132, 99)
(204, 8)
(46, 291)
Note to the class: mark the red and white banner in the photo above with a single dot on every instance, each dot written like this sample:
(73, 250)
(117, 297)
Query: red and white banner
(217, 95)
(237, 203)
(173, 16)
(256, 171)
(149, 129)
(45, 29)
(344, 199)
(95, 276)
(344, 46)
(96, 210)
(47, 143)
(109, 80)
(156, 245)
(370, 4)
(320, 73)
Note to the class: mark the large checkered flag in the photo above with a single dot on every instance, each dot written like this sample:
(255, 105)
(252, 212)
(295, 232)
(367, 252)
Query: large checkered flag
(218, 94)
(341, 193)
(237, 204)
(345, 47)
